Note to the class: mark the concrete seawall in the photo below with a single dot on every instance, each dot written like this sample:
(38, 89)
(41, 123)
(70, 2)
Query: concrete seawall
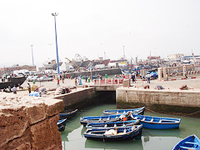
(159, 100)
(77, 98)
(87, 97)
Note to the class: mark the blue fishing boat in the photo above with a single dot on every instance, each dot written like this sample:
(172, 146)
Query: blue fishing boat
(108, 125)
(137, 111)
(106, 118)
(61, 128)
(69, 113)
(191, 142)
(61, 124)
(115, 134)
(151, 122)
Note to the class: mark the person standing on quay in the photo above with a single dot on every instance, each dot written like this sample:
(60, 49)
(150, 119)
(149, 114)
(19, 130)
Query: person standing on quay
(76, 81)
(58, 80)
(63, 79)
(14, 90)
(29, 88)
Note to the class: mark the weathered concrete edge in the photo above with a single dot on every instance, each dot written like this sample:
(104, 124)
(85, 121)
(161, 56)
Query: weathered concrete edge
(163, 101)
(177, 98)
(76, 98)
(106, 87)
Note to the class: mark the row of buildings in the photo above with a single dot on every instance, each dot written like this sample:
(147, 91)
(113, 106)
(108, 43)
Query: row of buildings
(79, 63)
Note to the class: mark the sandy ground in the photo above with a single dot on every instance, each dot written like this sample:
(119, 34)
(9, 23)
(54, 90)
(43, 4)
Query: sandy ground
(193, 84)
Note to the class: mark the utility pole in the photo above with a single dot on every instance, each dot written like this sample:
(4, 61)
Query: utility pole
(56, 14)
(32, 55)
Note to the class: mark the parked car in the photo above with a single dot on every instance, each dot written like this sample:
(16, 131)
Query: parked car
(32, 78)
(29, 78)
(45, 78)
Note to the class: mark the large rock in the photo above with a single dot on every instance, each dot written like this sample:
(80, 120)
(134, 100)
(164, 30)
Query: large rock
(26, 122)
(13, 123)
(22, 143)
(45, 135)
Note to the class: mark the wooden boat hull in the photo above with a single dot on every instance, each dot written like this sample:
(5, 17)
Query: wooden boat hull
(61, 128)
(148, 125)
(108, 125)
(104, 118)
(70, 113)
(99, 134)
(85, 122)
(12, 82)
(61, 124)
(191, 142)
(151, 122)
(137, 111)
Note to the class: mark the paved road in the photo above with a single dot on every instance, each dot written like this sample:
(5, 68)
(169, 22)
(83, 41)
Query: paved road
(193, 84)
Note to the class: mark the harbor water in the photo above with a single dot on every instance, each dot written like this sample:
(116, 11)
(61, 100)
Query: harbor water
(73, 138)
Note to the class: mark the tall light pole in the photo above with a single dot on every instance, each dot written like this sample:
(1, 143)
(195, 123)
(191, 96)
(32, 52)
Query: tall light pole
(56, 14)
(32, 55)
(124, 52)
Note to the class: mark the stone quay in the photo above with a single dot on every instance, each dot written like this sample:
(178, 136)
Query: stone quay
(31, 122)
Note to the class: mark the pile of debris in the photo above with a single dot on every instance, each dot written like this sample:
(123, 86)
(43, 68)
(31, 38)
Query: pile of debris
(159, 87)
(62, 90)
(184, 87)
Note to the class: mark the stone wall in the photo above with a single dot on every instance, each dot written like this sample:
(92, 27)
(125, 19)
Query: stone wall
(106, 87)
(76, 98)
(176, 101)
(29, 122)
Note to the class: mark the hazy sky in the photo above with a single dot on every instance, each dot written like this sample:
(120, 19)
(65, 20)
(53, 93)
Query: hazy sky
(92, 27)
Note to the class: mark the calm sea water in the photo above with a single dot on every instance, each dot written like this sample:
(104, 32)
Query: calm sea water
(73, 138)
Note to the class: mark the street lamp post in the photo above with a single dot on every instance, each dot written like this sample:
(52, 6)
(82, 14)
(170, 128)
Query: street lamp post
(32, 55)
(56, 14)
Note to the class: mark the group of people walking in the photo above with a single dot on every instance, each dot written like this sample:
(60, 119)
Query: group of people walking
(148, 77)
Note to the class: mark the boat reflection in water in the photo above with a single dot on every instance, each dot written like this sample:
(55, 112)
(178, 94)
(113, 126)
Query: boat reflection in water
(122, 145)
(150, 140)
(160, 139)
(73, 136)
(159, 142)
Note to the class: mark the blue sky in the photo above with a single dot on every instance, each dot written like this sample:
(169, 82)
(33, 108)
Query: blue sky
(92, 27)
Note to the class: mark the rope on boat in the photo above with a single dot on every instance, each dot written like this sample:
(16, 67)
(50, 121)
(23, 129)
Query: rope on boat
(182, 115)
(151, 111)
(193, 113)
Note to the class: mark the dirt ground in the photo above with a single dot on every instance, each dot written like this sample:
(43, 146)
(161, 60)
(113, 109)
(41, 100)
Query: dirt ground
(192, 84)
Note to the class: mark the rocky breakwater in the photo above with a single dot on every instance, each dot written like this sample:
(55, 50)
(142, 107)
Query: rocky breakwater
(29, 122)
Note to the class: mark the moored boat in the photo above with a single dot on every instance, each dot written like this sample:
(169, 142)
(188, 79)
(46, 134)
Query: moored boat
(51, 64)
(12, 81)
(138, 111)
(115, 134)
(106, 118)
(191, 142)
(61, 124)
(69, 113)
(109, 125)
(61, 128)
(152, 122)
